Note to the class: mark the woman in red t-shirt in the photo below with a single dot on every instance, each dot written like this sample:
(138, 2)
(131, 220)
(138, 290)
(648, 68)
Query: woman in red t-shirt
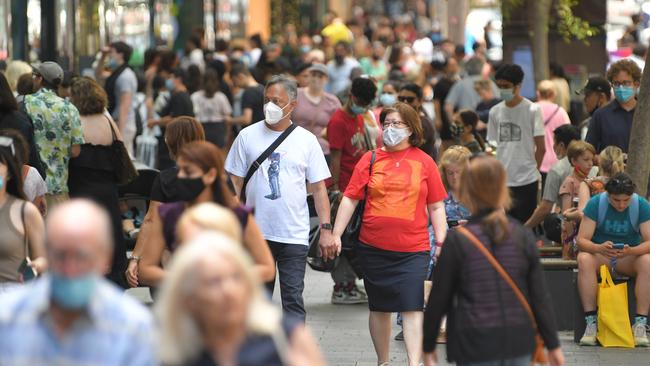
(404, 192)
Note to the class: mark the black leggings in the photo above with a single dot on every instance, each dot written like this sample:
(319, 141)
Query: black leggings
(524, 201)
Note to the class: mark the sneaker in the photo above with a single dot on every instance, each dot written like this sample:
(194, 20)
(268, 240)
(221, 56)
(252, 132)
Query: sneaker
(400, 336)
(347, 295)
(640, 334)
(589, 338)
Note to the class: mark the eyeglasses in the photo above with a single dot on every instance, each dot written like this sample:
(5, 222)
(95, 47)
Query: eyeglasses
(8, 142)
(394, 123)
(406, 99)
(622, 83)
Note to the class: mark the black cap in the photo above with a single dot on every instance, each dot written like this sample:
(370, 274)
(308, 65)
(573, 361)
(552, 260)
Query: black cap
(596, 84)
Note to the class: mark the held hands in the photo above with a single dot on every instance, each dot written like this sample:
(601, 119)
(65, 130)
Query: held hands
(329, 245)
(132, 274)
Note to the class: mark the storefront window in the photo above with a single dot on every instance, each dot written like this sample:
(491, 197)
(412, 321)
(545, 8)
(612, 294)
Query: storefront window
(231, 17)
(128, 21)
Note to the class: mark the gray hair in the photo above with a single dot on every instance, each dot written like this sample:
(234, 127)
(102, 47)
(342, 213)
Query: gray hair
(474, 66)
(287, 83)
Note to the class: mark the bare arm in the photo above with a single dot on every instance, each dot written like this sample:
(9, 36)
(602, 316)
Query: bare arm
(438, 219)
(245, 119)
(335, 167)
(644, 246)
(545, 207)
(141, 243)
(126, 98)
(438, 109)
(259, 250)
(322, 203)
(238, 182)
(303, 349)
(540, 150)
(75, 150)
(150, 272)
(35, 231)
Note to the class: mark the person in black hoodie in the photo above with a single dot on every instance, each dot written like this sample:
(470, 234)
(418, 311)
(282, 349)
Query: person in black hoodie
(12, 117)
(486, 322)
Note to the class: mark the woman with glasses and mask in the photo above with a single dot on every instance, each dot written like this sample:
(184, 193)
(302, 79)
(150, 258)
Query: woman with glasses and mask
(411, 94)
(404, 193)
(615, 231)
(201, 178)
(22, 231)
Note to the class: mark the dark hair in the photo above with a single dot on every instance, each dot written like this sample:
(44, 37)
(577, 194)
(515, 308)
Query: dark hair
(470, 118)
(210, 82)
(150, 56)
(302, 66)
(218, 66)
(25, 84)
(565, 134)
(180, 73)
(195, 41)
(364, 90)
(14, 181)
(413, 88)
(510, 72)
(459, 49)
(181, 131)
(221, 45)
(239, 69)
(88, 96)
(167, 60)
(439, 64)
(7, 99)
(394, 83)
(621, 183)
(556, 70)
(68, 76)
(208, 156)
(20, 145)
(257, 40)
(412, 120)
(124, 49)
(194, 78)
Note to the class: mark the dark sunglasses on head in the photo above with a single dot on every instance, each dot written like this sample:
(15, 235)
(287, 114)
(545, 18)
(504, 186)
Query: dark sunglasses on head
(406, 99)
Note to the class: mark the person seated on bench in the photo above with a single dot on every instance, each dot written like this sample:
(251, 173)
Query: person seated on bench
(618, 216)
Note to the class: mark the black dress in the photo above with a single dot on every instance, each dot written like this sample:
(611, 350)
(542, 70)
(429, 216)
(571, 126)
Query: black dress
(92, 175)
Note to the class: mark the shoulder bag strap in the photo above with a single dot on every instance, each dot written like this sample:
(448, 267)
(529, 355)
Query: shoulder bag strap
(502, 272)
(110, 124)
(551, 116)
(372, 162)
(258, 162)
(603, 205)
(22, 217)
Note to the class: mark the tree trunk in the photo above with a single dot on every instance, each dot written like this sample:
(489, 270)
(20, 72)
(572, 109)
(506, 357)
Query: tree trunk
(457, 11)
(638, 163)
(539, 12)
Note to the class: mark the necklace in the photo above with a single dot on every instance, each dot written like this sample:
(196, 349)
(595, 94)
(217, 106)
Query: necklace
(400, 160)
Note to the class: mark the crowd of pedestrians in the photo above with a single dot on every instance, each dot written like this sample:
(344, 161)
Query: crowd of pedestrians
(407, 153)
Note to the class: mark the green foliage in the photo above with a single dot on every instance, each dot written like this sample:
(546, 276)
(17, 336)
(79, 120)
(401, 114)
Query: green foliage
(567, 24)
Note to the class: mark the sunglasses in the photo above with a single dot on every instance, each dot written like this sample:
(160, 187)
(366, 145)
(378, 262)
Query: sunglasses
(8, 142)
(406, 99)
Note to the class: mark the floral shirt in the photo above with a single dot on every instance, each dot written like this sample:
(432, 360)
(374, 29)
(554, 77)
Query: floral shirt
(454, 209)
(56, 128)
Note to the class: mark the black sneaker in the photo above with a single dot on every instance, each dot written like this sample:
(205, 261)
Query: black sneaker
(400, 336)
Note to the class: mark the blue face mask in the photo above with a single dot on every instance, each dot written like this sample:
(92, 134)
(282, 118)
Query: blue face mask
(623, 93)
(356, 110)
(305, 48)
(387, 100)
(169, 84)
(2, 182)
(112, 64)
(507, 94)
(73, 293)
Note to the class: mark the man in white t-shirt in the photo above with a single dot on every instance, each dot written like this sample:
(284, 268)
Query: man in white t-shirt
(277, 189)
(517, 127)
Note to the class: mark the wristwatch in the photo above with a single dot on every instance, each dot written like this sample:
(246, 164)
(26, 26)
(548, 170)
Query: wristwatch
(326, 226)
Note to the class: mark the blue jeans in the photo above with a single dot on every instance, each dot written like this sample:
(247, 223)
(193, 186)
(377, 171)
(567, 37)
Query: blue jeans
(518, 361)
(291, 260)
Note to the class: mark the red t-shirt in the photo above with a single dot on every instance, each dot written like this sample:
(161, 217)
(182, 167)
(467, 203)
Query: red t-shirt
(395, 216)
(347, 134)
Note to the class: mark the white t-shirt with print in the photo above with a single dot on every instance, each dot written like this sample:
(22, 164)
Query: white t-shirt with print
(277, 191)
(514, 130)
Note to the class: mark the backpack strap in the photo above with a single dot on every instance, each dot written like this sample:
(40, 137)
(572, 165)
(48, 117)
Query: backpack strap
(603, 204)
(634, 212)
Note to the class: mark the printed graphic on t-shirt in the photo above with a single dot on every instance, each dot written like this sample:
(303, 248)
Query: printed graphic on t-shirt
(616, 227)
(274, 176)
(358, 142)
(509, 132)
(395, 190)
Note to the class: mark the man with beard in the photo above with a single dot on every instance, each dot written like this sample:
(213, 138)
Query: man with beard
(339, 68)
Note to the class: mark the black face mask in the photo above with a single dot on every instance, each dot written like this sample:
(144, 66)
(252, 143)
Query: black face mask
(339, 59)
(187, 189)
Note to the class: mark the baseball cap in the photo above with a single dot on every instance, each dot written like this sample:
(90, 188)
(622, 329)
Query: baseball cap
(50, 71)
(318, 68)
(596, 84)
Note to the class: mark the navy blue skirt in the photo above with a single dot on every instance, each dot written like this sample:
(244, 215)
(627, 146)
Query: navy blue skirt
(394, 281)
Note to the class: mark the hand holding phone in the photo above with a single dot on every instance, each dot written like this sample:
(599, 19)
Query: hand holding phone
(26, 270)
(618, 246)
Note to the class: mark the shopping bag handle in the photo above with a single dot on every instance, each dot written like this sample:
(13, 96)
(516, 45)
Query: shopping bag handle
(606, 277)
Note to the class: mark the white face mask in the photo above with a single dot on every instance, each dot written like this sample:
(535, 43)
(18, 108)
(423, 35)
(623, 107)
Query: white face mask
(394, 136)
(273, 113)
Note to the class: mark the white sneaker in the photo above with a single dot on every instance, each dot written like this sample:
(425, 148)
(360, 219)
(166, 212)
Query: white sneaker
(640, 335)
(348, 296)
(589, 338)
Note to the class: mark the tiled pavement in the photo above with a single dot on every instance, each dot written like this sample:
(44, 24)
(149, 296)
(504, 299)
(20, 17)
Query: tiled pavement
(342, 333)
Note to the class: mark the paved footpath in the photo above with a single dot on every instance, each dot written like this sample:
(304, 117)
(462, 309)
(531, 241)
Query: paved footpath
(342, 333)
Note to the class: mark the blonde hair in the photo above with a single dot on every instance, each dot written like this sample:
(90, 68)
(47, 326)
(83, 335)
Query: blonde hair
(611, 161)
(484, 188)
(15, 70)
(458, 155)
(180, 339)
(211, 216)
(546, 89)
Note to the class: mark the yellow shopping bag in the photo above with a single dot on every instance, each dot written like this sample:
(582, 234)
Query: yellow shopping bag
(614, 329)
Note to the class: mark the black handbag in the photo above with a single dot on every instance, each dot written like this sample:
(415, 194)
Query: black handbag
(350, 236)
(125, 172)
(553, 227)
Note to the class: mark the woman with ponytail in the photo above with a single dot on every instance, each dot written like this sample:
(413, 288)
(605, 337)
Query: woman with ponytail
(486, 321)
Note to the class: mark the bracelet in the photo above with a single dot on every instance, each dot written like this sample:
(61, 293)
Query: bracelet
(438, 244)
(134, 258)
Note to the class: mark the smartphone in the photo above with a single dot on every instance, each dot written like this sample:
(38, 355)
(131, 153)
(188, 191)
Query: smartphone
(452, 223)
(28, 272)
(619, 246)
(575, 202)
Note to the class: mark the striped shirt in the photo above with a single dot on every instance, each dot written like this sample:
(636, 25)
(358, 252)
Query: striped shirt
(116, 330)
